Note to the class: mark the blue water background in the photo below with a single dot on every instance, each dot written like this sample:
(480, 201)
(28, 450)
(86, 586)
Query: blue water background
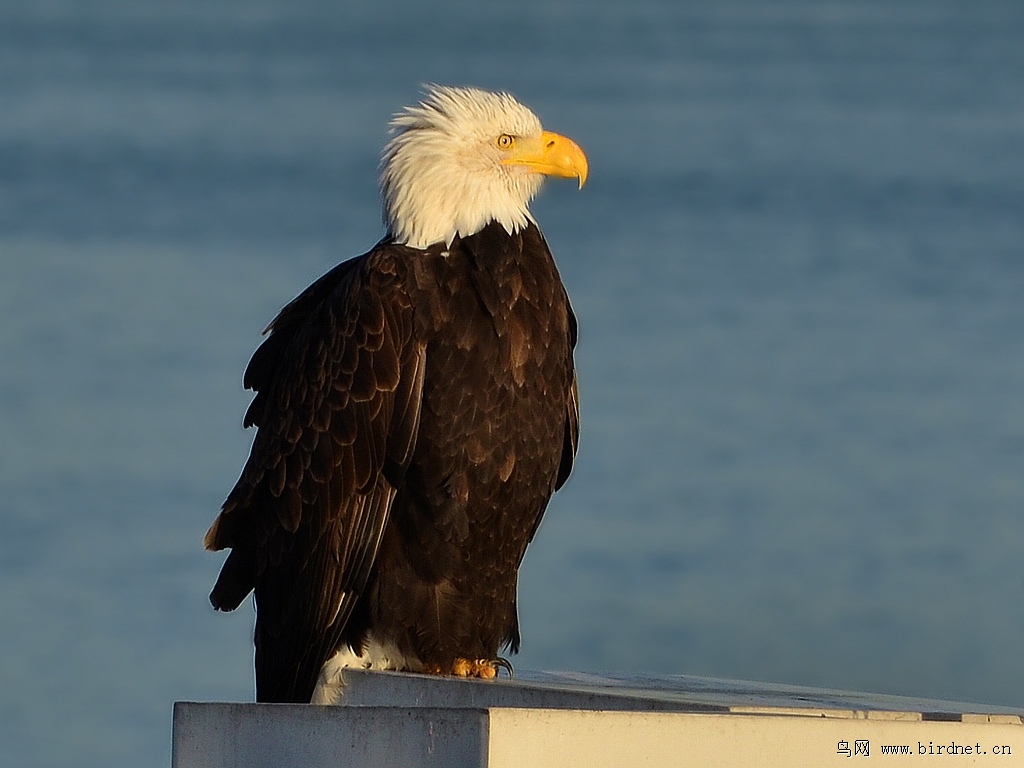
(798, 269)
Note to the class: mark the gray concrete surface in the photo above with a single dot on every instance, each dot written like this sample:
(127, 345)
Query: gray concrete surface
(563, 720)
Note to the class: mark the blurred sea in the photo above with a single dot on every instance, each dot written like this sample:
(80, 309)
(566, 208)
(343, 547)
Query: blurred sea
(799, 273)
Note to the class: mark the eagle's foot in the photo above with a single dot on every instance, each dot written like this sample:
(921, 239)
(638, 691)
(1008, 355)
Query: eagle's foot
(483, 669)
(469, 668)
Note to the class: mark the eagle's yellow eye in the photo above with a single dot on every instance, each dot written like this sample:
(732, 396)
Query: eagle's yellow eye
(505, 141)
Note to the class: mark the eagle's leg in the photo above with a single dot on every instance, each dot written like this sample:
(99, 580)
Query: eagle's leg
(484, 669)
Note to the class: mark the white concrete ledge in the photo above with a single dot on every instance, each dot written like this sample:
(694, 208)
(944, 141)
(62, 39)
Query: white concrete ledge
(574, 720)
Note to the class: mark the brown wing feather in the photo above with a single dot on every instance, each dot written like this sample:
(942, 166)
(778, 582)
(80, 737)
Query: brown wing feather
(572, 413)
(339, 384)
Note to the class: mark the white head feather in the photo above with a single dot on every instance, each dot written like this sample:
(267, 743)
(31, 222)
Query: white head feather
(442, 173)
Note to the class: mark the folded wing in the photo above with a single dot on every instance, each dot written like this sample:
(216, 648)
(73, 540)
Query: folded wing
(338, 386)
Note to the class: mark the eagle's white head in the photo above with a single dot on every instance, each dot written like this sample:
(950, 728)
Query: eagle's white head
(463, 158)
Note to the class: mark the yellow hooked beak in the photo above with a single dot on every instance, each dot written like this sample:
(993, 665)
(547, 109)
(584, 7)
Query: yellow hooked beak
(550, 154)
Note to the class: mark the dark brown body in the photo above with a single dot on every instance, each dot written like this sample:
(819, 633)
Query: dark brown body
(416, 410)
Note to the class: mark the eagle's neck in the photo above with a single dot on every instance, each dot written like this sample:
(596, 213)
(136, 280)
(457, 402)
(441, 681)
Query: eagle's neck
(431, 201)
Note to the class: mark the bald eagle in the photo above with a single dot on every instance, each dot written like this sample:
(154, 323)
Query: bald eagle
(416, 408)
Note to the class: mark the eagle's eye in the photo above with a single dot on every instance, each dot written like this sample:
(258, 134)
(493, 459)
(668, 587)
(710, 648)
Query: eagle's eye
(505, 141)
